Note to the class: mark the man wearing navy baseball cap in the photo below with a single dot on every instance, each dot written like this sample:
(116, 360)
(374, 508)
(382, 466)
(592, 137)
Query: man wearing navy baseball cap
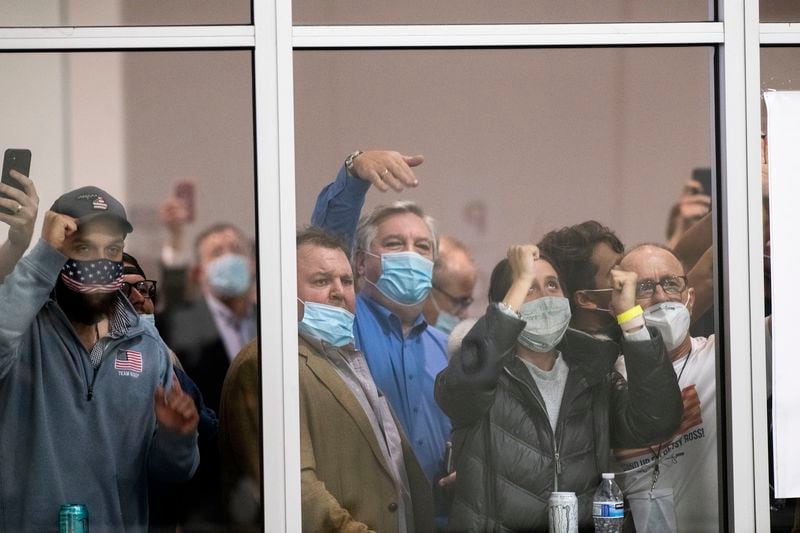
(91, 408)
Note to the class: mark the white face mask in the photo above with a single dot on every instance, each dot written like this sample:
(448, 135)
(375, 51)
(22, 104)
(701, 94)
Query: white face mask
(672, 320)
(546, 321)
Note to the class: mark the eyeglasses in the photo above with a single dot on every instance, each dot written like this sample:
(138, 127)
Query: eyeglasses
(669, 284)
(458, 303)
(147, 288)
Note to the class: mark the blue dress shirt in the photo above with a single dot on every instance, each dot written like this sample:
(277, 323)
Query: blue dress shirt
(405, 369)
(339, 205)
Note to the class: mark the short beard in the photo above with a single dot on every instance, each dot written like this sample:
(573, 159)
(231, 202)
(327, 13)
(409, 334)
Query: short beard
(88, 309)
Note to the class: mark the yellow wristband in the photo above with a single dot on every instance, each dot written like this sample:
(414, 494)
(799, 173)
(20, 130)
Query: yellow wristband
(633, 312)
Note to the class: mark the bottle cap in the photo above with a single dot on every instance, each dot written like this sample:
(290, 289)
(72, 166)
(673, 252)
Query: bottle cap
(607, 475)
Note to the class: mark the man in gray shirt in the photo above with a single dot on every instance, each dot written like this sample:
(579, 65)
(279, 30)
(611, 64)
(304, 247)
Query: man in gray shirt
(89, 406)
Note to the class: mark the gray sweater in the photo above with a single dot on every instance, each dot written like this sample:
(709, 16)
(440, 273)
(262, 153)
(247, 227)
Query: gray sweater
(60, 444)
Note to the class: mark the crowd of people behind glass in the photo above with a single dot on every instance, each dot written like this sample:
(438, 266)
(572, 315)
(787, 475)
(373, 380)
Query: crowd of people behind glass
(139, 397)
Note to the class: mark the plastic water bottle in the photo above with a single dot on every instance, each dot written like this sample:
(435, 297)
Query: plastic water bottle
(608, 509)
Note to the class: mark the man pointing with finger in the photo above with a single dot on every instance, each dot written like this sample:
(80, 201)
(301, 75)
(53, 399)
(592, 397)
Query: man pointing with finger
(89, 407)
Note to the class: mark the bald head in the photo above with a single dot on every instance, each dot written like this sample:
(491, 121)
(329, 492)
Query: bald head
(454, 277)
(656, 263)
(650, 253)
(454, 261)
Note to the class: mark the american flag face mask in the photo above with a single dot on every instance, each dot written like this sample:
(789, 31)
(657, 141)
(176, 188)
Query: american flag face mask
(90, 277)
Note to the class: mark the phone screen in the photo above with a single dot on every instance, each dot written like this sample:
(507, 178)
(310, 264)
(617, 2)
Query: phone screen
(18, 159)
(703, 175)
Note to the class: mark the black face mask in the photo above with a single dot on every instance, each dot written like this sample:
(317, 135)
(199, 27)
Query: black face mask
(86, 309)
(606, 323)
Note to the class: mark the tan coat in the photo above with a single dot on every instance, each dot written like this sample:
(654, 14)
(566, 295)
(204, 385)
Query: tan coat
(346, 482)
(240, 436)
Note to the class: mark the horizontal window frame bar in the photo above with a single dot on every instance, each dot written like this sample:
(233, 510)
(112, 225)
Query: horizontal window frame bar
(113, 37)
(779, 33)
(494, 35)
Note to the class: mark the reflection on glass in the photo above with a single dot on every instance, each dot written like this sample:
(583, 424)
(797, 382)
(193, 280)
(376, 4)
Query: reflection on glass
(16, 13)
(162, 141)
(327, 12)
(526, 147)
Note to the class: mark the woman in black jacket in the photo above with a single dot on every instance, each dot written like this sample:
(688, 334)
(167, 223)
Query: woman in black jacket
(536, 407)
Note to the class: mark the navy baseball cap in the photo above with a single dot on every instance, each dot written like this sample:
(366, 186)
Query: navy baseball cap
(88, 203)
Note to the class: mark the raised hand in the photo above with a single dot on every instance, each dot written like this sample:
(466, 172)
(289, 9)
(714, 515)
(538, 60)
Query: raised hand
(387, 169)
(58, 229)
(520, 258)
(175, 410)
(623, 284)
(24, 207)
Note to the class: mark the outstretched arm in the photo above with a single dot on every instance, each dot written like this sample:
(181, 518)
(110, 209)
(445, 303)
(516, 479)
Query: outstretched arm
(28, 287)
(24, 206)
(339, 204)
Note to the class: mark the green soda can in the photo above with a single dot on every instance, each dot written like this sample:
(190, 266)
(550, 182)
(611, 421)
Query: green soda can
(73, 518)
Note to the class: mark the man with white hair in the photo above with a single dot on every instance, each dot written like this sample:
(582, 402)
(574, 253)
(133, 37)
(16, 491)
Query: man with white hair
(393, 255)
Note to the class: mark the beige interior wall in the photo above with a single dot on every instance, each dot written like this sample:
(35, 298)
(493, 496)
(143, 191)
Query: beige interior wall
(531, 139)
(188, 115)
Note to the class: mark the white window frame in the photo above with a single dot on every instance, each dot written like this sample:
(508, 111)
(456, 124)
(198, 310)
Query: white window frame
(272, 38)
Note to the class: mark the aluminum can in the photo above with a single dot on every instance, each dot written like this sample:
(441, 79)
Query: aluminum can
(73, 518)
(562, 512)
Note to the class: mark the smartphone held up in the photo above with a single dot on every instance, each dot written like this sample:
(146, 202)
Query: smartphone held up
(18, 159)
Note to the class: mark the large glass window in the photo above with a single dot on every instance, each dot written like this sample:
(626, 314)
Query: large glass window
(522, 142)
(170, 135)
(121, 13)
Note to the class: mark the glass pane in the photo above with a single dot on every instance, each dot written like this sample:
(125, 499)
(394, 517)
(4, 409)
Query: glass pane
(778, 11)
(517, 144)
(170, 136)
(325, 12)
(780, 71)
(15, 13)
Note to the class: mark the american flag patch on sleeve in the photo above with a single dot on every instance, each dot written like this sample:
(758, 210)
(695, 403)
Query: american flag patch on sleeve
(128, 360)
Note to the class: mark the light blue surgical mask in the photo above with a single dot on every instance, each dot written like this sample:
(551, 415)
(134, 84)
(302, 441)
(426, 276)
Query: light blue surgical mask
(327, 323)
(228, 276)
(405, 277)
(546, 321)
(444, 321)
(148, 319)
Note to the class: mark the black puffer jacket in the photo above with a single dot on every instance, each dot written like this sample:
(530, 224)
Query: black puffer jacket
(508, 459)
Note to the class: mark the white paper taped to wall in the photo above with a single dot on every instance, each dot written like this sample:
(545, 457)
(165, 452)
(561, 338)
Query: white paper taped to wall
(783, 136)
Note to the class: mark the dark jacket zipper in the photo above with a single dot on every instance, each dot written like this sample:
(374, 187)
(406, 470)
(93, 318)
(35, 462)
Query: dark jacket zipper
(95, 371)
(556, 454)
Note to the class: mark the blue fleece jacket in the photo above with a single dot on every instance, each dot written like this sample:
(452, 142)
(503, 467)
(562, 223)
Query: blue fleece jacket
(60, 444)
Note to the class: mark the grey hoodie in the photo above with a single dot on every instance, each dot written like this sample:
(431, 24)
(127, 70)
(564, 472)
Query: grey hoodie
(58, 443)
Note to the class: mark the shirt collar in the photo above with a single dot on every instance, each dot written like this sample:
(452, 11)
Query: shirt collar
(120, 319)
(328, 349)
(390, 320)
(221, 310)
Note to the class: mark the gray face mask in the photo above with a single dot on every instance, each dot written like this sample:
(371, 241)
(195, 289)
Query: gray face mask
(546, 321)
